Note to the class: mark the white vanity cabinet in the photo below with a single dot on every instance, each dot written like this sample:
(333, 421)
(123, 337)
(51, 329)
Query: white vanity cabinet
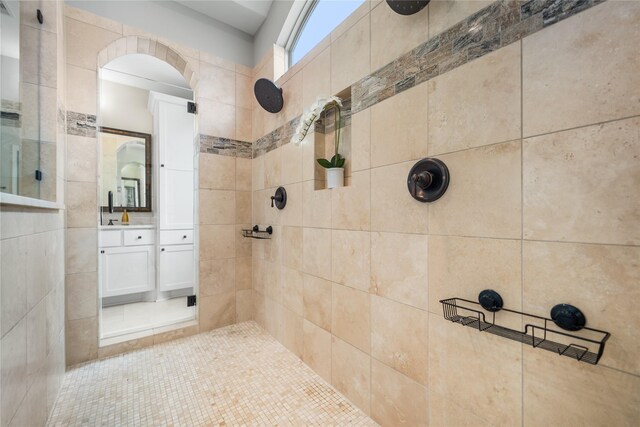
(176, 267)
(127, 261)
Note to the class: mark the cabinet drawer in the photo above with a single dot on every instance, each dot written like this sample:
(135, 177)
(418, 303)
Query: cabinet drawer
(138, 237)
(176, 237)
(110, 238)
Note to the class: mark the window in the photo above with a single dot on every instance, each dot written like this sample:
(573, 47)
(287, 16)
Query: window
(319, 20)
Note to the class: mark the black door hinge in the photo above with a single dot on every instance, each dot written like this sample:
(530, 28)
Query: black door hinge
(38, 175)
(192, 108)
(40, 17)
(191, 300)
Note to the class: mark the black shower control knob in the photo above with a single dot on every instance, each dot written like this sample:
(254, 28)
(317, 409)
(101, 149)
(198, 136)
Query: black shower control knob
(428, 180)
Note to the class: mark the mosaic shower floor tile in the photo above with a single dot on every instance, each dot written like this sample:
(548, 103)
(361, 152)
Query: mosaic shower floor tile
(233, 376)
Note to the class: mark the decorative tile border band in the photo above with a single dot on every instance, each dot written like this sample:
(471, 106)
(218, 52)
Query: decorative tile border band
(81, 124)
(496, 26)
(283, 134)
(225, 146)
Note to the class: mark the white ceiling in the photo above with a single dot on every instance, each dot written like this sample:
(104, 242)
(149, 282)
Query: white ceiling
(245, 15)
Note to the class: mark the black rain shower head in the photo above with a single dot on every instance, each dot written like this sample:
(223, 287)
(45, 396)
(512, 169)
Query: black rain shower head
(407, 7)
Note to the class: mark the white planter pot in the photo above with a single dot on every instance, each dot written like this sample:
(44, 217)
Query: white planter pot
(335, 177)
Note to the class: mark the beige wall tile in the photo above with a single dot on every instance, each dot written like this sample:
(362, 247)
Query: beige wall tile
(38, 52)
(217, 84)
(558, 390)
(317, 252)
(82, 90)
(399, 128)
(243, 174)
(316, 80)
(243, 244)
(350, 55)
(476, 104)
(447, 412)
(316, 206)
(217, 119)
(291, 244)
(82, 340)
(470, 207)
(14, 369)
(565, 200)
(393, 34)
(351, 205)
(292, 94)
(291, 331)
(217, 276)
(243, 124)
(317, 301)
(13, 280)
(217, 172)
(317, 349)
(392, 207)
(462, 267)
(84, 41)
(81, 292)
(243, 273)
(600, 280)
(243, 207)
(291, 215)
(244, 305)
(90, 18)
(82, 161)
(498, 398)
(217, 311)
(399, 337)
(81, 204)
(292, 282)
(244, 91)
(351, 258)
(217, 207)
(445, 13)
(81, 250)
(217, 241)
(273, 168)
(395, 399)
(399, 268)
(351, 373)
(350, 319)
(582, 70)
(360, 141)
(291, 168)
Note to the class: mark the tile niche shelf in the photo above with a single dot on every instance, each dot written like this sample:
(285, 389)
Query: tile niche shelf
(324, 137)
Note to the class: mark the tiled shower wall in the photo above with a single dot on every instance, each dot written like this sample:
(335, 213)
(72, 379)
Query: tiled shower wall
(224, 122)
(32, 240)
(540, 129)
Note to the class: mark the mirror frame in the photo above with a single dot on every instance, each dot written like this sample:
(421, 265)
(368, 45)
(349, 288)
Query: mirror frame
(148, 168)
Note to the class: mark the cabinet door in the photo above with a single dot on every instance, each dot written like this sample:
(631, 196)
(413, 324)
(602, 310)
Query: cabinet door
(127, 270)
(176, 199)
(176, 267)
(176, 136)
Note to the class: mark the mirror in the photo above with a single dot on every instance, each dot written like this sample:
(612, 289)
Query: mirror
(126, 169)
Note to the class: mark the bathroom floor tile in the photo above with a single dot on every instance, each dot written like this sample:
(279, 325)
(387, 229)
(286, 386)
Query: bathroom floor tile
(237, 375)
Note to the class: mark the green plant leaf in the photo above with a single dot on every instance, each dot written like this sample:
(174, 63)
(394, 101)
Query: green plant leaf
(340, 163)
(325, 163)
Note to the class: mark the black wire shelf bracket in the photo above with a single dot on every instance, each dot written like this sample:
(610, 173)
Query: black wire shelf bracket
(256, 233)
(539, 332)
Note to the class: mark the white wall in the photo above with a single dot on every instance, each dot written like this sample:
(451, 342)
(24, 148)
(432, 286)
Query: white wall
(125, 107)
(178, 23)
(268, 33)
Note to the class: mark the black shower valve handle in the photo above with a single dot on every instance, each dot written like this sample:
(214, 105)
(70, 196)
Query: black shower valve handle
(422, 180)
